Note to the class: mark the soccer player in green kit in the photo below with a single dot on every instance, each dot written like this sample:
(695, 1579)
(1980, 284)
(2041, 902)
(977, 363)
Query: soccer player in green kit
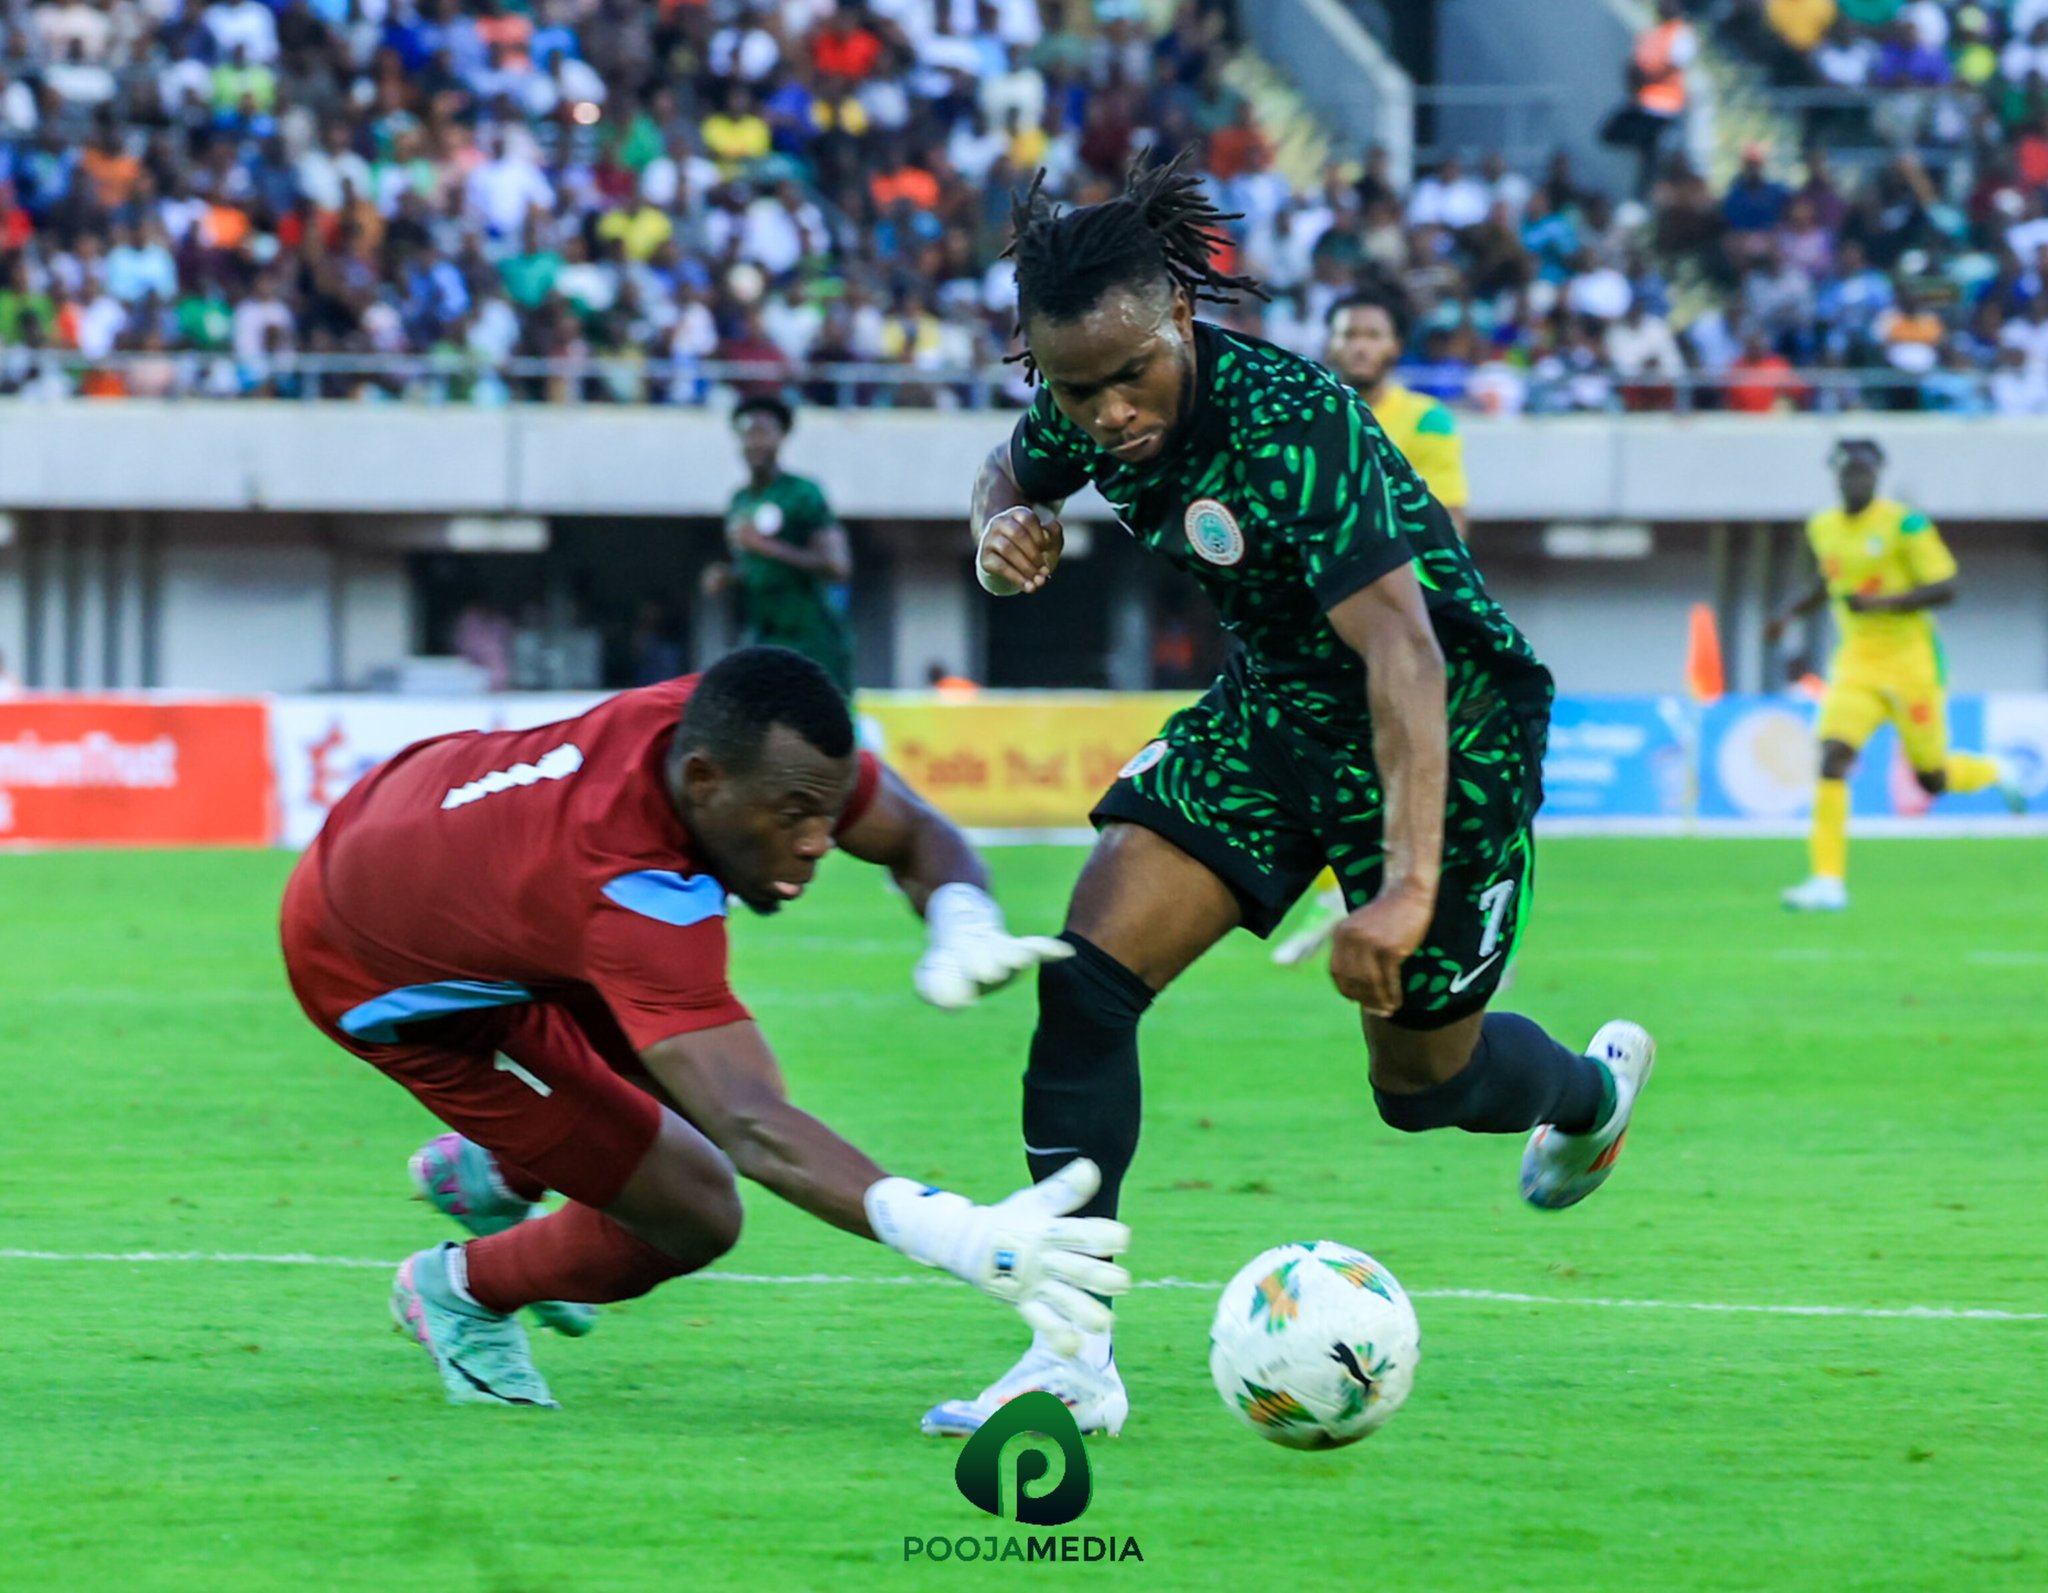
(1382, 715)
(789, 550)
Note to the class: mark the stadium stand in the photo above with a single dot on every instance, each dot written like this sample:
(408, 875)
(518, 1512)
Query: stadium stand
(480, 201)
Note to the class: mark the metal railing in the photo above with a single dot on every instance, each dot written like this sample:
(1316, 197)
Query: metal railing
(1816, 390)
(453, 378)
(1870, 124)
(457, 380)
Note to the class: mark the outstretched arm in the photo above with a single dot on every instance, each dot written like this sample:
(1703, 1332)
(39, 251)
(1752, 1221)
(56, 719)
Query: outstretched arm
(1026, 1251)
(1388, 626)
(727, 1082)
(972, 952)
(922, 849)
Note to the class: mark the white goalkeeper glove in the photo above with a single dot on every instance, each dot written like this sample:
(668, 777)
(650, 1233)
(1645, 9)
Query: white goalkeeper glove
(1026, 1252)
(972, 951)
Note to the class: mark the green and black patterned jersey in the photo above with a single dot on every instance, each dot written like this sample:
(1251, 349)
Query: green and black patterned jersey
(1282, 496)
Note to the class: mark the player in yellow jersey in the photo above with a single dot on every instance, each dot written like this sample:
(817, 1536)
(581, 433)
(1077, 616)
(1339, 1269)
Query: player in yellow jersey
(1367, 333)
(1885, 569)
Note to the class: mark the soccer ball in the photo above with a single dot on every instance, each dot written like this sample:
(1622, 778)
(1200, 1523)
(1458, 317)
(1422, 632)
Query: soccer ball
(1314, 1345)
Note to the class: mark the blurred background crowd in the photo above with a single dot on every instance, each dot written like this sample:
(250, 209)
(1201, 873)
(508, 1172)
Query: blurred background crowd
(658, 200)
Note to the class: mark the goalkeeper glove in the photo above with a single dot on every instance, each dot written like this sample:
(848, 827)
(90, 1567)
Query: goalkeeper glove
(972, 952)
(1026, 1252)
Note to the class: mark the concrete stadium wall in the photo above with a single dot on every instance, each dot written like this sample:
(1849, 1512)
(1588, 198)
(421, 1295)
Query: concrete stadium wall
(304, 602)
(341, 459)
(1577, 49)
(264, 547)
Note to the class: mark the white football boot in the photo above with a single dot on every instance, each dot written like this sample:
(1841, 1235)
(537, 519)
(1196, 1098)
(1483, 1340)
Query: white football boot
(1820, 894)
(1089, 1385)
(1560, 1169)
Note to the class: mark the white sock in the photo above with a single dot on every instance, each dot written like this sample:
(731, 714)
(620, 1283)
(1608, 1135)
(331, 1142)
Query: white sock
(1095, 1353)
(1332, 901)
(458, 1278)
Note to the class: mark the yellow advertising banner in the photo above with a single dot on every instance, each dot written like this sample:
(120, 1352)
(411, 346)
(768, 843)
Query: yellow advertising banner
(1013, 760)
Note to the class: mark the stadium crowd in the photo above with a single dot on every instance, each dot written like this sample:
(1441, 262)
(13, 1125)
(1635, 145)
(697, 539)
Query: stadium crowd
(597, 199)
(1936, 266)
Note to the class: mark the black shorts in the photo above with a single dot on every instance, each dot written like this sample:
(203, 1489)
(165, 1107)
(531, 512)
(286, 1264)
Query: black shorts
(1264, 802)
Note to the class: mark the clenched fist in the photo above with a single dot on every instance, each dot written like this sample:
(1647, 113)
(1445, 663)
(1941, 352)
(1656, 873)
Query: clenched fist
(1368, 948)
(1019, 550)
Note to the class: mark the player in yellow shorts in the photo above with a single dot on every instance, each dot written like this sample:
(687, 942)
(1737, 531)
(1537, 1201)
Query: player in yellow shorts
(1885, 569)
(1367, 332)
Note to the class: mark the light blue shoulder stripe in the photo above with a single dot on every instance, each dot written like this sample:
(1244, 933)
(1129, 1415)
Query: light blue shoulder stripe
(378, 1021)
(671, 898)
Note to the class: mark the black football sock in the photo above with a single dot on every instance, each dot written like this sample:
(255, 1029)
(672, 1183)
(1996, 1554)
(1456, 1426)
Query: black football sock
(1518, 1077)
(1081, 1092)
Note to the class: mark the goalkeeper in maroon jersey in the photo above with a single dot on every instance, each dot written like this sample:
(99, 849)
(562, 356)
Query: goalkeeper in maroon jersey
(526, 929)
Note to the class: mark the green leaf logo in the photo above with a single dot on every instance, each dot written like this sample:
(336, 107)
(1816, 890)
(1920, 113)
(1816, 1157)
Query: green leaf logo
(980, 1469)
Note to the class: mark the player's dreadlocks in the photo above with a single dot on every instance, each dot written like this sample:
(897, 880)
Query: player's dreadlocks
(1161, 228)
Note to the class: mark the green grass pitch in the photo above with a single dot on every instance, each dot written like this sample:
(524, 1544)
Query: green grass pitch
(1849, 1112)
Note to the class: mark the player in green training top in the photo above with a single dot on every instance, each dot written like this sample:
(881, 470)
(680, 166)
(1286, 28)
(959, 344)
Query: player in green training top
(1383, 715)
(789, 550)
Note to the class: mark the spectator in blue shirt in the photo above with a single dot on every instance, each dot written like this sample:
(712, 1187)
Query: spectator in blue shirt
(1551, 236)
(1854, 298)
(1756, 201)
(1753, 207)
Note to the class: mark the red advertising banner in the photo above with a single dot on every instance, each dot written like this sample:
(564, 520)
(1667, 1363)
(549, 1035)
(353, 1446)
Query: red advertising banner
(109, 771)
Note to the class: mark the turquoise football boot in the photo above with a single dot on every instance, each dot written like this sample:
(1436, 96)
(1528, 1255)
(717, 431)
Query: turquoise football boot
(458, 1178)
(483, 1358)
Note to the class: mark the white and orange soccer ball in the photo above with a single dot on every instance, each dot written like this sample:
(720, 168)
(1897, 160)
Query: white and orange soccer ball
(1314, 1345)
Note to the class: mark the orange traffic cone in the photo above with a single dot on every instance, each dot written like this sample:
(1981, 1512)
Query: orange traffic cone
(1704, 677)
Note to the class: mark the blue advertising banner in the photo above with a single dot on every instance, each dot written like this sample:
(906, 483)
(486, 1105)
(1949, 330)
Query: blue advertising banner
(1759, 759)
(1618, 757)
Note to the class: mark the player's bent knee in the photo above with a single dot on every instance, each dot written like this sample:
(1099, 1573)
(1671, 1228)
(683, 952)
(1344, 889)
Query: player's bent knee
(683, 1198)
(1837, 760)
(710, 1222)
(1404, 1060)
(1415, 1094)
(1395, 1079)
(1509, 1075)
(716, 1225)
(695, 1236)
(1933, 781)
(1412, 1112)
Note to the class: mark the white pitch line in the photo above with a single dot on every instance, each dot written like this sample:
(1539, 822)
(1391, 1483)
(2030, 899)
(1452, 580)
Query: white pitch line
(294, 1259)
(1908, 1313)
